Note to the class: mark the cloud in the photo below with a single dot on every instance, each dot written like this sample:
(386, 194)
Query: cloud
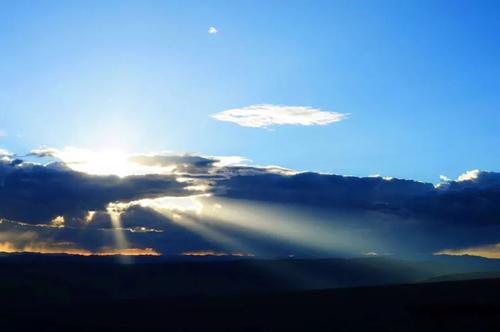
(5, 155)
(444, 178)
(488, 251)
(216, 253)
(475, 200)
(212, 30)
(102, 162)
(469, 175)
(56, 190)
(3, 133)
(177, 163)
(267, 115)
(67, 248)
(369, 193)
(38, 194)
(113, 162)
(127, 252)
(31, 241)
(206, 203)
(44, 152)
(43, 248)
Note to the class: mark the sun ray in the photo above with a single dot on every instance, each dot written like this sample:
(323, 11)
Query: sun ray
(118, 233)
(289, 224)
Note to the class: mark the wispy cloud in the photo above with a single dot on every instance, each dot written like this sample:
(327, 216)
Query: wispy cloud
(267, 115)
(212, 30)
(3, 133)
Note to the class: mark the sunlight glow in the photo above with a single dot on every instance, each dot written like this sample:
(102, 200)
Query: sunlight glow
(43, 248)
(65, 248)
(128, 252)
(89, 216)
(488, 251)
(58, 221)
(167, 204)
(290, 224)
(186, 212)
(216, 253)
(106, 162)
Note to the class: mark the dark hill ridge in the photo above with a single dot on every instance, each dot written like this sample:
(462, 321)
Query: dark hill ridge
(61, 277)
(70, 293)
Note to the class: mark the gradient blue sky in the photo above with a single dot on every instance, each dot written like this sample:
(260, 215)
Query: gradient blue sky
(420, 80)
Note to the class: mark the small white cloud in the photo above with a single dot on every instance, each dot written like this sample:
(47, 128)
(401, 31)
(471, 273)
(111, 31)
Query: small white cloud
(444, 182)
(5, 153)
(387, 178)
(267, 115)
(469, 175)
(212, 30)
(225, 161)
(3, 133)
(444, 178)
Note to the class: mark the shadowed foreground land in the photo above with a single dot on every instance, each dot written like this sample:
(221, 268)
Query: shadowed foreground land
(67, 294)
(448, 306)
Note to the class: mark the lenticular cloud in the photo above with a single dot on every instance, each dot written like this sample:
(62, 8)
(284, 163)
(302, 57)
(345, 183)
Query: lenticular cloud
(267, 115)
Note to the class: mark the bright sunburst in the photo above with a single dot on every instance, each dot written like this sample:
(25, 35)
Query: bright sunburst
(107, 162)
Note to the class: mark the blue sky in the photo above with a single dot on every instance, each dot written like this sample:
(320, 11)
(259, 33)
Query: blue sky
(419, 80)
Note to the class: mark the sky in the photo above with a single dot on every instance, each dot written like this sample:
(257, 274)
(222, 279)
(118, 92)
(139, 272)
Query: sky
(250, 127)
(418, 80)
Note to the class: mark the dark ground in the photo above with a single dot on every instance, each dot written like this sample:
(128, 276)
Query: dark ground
(61, 294)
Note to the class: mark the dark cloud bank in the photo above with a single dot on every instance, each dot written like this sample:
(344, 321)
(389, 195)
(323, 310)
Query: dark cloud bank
(36, 194)
(474, 202)
(463, 212)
